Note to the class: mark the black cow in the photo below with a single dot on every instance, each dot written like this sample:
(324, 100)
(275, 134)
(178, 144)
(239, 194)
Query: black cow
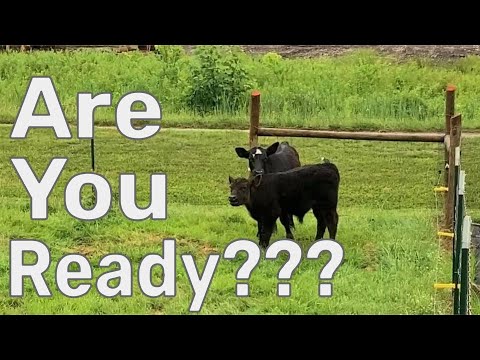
(296, 192)
(276, 158)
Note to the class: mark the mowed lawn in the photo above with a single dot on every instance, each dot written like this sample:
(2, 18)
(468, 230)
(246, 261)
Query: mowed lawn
(387, 224)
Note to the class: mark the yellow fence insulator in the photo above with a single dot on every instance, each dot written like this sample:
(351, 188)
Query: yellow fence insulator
(446, 234)
(445, 286)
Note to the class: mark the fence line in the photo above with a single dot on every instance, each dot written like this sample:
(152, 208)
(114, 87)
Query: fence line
(451, 139)
(456, 225)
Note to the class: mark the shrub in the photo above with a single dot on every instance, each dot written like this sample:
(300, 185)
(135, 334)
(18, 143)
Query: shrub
(219, 80)
(170, 53)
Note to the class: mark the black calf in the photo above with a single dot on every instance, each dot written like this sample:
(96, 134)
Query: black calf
(296, 192)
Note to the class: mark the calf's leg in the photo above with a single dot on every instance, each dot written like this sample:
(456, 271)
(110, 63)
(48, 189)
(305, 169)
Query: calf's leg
(285, 220)
(321, 222)
(266, 232)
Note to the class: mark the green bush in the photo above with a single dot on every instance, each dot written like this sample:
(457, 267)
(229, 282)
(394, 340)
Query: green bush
(219, 81)
(170, 54)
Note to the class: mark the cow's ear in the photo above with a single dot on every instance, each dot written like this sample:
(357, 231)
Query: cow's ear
(230, 179)
(272, 149)
(241, 152)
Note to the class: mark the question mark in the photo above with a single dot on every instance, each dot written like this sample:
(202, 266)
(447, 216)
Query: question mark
(286, 271)
(336, 252)
(244, 271)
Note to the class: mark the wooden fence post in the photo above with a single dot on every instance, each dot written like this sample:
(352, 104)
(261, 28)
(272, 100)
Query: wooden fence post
(449, 112)
(254, 118)
(455, 140)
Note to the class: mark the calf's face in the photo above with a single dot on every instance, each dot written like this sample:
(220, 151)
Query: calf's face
(257, 157)
(239, 191)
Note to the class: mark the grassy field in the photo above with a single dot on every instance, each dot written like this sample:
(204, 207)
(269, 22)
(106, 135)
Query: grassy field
(387, 223)
(361, 90)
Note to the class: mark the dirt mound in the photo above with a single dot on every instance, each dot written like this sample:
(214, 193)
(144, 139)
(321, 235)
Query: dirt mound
(402, 51)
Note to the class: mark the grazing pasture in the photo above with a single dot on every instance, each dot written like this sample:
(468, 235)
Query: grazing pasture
(387, 222)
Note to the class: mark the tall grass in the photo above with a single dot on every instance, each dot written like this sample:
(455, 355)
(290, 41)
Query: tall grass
(360, 90)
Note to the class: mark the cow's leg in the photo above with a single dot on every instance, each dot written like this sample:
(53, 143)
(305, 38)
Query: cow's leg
(290, 219)
(259, 225)
(332, 222)
(321, 222)
(285, 220)
(266, 232)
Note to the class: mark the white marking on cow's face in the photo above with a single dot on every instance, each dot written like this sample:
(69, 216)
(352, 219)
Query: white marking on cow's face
(258, 152)
(248, 169)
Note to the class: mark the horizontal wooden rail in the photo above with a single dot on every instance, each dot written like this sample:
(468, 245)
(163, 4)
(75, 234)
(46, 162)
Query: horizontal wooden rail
(351, 135)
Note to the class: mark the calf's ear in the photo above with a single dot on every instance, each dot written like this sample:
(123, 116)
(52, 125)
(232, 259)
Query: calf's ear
(272, 149)
(230, 179)
(241, 152)
(257, 180)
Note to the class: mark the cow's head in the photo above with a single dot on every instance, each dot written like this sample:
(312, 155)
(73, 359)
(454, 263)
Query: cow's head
(257, 157)
(239, 191)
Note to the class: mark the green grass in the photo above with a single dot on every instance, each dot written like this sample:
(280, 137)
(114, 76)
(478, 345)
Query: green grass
(360, 90)
(387, 223)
